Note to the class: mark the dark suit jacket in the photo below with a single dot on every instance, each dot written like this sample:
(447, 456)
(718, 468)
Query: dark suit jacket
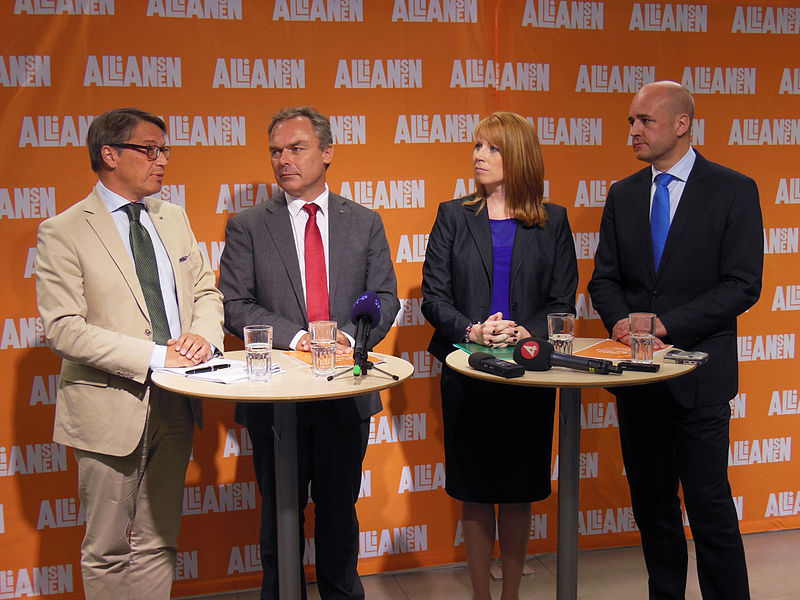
(710, 270)
(261, 284)
(458, 271)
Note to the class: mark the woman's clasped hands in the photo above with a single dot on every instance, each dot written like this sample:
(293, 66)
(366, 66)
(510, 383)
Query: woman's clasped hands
(497, 332)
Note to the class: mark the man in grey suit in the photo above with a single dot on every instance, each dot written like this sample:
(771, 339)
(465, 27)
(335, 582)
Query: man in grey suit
(307, 254)
(122, 289)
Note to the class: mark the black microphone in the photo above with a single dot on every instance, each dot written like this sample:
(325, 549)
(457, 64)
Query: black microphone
(365, 315)
(537, 355)
(485, 362)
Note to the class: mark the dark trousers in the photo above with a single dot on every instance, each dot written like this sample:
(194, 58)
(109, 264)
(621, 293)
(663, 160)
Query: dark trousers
(329, 455)
(664, 445)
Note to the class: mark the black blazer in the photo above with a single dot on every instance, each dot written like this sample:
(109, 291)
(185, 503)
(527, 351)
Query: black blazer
(260, 281)
(710, 270)
(457, 274)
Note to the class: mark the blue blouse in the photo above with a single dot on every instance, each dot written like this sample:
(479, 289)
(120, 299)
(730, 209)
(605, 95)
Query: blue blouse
(503, 233)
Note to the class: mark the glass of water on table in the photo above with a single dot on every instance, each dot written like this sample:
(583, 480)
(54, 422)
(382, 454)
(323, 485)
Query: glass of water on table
(561, 331)
(642, 327)
(258, 351)
(323, 347)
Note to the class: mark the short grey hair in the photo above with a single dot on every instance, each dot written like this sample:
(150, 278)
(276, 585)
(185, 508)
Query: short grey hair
(319, 122)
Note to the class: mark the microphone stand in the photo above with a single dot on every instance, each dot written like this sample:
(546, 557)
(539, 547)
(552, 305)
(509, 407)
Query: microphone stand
(363, 368)
(344, 369)
(367, 365)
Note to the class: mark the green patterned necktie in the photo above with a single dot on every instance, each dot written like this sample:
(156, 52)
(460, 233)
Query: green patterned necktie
(144, 257)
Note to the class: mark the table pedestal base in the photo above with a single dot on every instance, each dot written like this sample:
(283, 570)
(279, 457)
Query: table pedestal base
(289, 568)
(295, 384)
(569, 443)
(569, 383)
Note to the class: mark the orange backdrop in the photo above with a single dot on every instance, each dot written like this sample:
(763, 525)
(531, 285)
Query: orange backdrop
(404, 82)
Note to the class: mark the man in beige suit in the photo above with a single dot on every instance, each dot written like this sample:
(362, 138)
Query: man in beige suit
(122, 289)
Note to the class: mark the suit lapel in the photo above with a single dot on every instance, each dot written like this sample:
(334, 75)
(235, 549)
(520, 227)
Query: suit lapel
(523, 240)
(338, 239)
(481, 232)
(166, 228)
(692, 195)
(640, 210)
(100, 221)
(278, 223)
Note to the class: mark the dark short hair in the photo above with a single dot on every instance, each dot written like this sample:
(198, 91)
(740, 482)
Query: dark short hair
(115, 127)
(319, 122)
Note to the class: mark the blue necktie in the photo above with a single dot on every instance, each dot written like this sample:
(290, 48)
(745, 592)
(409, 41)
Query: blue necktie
(659, 216)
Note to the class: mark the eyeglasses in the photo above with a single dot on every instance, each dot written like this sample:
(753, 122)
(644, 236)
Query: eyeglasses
(153, 152)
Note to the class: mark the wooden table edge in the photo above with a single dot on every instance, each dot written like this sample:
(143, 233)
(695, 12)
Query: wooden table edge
(305, 386)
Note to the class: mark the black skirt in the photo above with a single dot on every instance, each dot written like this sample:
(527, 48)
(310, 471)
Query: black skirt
(498, 439)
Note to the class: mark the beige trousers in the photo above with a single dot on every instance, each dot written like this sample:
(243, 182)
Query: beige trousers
(133, 507)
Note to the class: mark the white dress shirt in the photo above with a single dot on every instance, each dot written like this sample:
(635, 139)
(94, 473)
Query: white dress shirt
(680, 173)
(299, 218)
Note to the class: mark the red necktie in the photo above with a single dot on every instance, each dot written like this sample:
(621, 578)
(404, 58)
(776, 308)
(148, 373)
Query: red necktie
(316, 278)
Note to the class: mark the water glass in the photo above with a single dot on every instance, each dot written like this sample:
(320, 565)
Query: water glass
(642, 327)
(561, 331)
(258, 351)
(323, 347)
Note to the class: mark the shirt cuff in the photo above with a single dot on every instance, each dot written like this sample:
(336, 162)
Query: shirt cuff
(296, 339)
(158, 357)
(351, 340)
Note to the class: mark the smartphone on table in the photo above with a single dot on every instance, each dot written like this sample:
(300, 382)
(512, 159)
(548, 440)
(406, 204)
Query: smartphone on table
(685, 356)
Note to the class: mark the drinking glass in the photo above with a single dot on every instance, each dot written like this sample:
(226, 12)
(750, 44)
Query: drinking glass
(323, 347)
(561, 331)
(642, 326)
(258, 351)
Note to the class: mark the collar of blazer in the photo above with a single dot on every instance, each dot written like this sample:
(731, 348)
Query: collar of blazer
(100, 222)
(165, 219)
(340, 222)
(162, 214)
(481, 232)
(278, 223)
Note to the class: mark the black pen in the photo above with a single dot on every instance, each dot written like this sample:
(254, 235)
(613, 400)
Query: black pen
(206, 369)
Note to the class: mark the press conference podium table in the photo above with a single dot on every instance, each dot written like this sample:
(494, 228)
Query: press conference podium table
(297, 384)
(569, 382)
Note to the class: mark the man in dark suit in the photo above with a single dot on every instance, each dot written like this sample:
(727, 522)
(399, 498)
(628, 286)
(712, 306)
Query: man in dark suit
(268, 275)
(709, 272)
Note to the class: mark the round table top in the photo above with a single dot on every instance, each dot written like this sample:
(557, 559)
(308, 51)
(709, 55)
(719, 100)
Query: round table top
(565, 378)
(296, 384)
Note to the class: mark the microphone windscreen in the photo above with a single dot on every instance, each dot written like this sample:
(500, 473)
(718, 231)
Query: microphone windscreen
(367, 305)
(533, 354)
(475, 358)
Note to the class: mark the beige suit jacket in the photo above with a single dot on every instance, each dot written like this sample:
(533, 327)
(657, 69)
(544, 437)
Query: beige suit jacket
(95, 318)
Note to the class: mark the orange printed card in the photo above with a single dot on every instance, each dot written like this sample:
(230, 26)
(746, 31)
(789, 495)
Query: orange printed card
(609, 350)
(341, 359)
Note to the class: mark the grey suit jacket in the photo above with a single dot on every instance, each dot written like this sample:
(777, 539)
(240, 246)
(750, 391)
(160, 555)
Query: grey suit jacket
(710, 271)
(95, 318)
(261, 284)
(458, 273)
